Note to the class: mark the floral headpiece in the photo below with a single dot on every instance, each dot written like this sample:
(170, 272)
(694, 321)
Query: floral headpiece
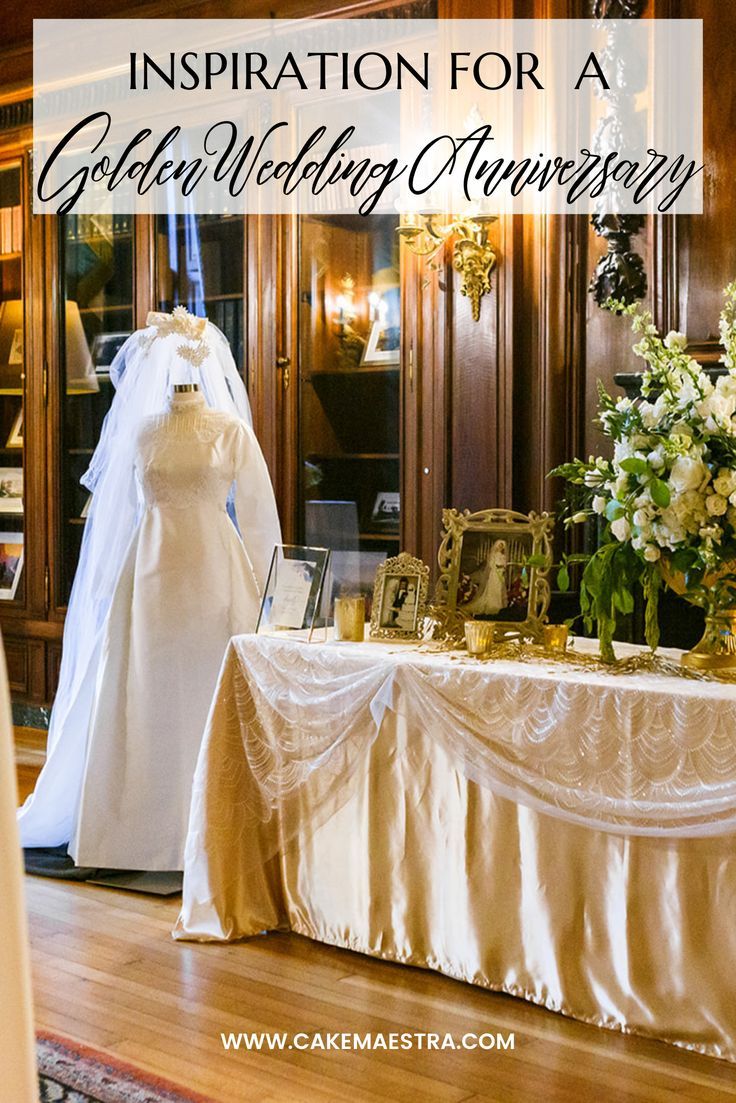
(187, 325)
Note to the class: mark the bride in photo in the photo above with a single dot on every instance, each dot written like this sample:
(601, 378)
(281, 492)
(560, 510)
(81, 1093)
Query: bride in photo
(492, 594)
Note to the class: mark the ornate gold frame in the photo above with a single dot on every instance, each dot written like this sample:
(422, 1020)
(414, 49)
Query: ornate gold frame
(403, 564)
(503, 521)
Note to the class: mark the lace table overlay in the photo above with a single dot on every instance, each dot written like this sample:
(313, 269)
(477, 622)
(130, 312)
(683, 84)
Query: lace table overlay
(645, 754)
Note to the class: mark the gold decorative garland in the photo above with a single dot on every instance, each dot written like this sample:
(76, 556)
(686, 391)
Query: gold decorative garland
(447, 639)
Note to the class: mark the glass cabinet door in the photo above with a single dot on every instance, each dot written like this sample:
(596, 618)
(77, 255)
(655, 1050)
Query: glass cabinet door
(200, 265)
(97, 266)
(348, 372)
(12, 384)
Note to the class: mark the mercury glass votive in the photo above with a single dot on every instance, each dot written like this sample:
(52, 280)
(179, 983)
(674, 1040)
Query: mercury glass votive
(349, 616)
(555, 637)
(479, 636)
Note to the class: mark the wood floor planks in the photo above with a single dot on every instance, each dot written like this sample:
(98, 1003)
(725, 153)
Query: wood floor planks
(107, 973)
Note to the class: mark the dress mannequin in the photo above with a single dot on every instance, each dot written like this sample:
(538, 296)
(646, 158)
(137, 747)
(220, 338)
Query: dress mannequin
(188, 584)
(193, 578)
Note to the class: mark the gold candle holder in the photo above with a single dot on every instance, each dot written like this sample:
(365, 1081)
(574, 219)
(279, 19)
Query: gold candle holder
(554, 637)
(349, 616)
(479, 637)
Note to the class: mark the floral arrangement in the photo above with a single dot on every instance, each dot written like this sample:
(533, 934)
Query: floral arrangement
(667, 498)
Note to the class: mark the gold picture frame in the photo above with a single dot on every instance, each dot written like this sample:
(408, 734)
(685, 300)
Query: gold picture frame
(494, 566)
(400, 598)
(15, 436)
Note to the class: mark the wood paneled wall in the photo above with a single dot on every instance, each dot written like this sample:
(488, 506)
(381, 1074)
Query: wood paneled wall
(503, 399)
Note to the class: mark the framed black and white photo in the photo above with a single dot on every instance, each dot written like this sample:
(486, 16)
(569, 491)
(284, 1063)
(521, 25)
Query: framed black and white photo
(11, 563)
(386, 511)
(293, 596)
(104, 349)
(400, 598)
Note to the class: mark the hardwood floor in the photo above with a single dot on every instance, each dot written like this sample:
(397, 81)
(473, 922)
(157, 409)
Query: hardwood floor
(107, 973)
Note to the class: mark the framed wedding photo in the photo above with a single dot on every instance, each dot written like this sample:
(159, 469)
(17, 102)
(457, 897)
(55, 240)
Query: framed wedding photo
(400, 598)
(11, 563)
(293, 596)
(494, 566)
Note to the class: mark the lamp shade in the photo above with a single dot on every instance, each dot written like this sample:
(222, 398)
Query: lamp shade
(80, 370)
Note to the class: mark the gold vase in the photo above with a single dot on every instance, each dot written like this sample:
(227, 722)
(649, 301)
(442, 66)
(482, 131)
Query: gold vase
(716, 650)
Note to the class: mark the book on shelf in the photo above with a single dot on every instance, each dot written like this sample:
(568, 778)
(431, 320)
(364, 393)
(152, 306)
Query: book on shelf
(11, 229)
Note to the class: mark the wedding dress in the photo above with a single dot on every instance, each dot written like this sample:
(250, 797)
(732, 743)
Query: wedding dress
(163, 580)
(186, 587)
(492, 595)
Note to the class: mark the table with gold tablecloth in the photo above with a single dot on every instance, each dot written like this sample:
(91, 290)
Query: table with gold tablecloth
(558, 833)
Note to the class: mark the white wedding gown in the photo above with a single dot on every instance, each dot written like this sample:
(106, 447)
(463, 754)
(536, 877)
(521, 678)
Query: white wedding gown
(188, 584)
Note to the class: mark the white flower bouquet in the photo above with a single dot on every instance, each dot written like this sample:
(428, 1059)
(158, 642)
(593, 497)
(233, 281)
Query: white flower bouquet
(667, 498)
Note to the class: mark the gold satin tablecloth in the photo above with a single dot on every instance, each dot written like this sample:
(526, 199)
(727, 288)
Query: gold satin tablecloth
(407, 859)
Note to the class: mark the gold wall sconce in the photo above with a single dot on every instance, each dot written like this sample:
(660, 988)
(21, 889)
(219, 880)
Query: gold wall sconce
(473, 258)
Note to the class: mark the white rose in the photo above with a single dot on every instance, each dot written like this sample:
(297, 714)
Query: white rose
(599, 503)
(622, 450)
(641, 518)
(716, 505)
(687, 473)
(621, 529)
(651, 553)
(647, 414)
(655, 458)
(725, 483)
(675, 340)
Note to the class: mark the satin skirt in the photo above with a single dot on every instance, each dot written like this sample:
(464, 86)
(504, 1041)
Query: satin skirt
(421, 866)
(186, 587)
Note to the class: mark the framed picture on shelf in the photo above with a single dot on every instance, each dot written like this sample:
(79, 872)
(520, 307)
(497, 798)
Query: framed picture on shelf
(400, 598)
(16, 348)
(293, 596)
(15, 436)
(11, 563)
(382, 346)
(493, 566)
(104, 349)
(11, 489)
(386, 510)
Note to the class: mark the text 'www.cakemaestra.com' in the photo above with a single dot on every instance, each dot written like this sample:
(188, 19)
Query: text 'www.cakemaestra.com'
(342, 1041)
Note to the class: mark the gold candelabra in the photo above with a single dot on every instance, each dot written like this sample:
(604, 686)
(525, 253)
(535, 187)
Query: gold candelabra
(473, 257)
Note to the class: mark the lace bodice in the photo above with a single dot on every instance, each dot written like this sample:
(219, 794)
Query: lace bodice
(189, 455)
